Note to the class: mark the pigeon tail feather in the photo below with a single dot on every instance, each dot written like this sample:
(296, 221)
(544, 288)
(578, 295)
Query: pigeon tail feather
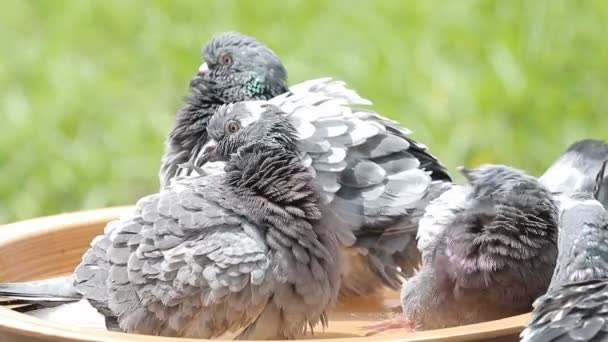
(33, 295)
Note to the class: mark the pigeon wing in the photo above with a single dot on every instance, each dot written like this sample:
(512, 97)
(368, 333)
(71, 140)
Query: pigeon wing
(373, 176)
(183, 265)
(575, 312)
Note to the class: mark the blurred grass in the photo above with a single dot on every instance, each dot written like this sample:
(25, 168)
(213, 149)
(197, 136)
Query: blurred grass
(89, 88)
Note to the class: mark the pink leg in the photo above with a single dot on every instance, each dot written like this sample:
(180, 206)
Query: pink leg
(391, 324)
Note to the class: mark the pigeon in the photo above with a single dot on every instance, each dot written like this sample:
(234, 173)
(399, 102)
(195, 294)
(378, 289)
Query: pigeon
(237, 68)
(574, 171)
(575, 308)
(373, 177)
(244, 251)
(488, 249)
(494, 256)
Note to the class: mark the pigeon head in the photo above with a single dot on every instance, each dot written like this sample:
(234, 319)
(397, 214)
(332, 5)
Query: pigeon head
(574, 170)
(247, 124)
(589, 148)
(238, 67)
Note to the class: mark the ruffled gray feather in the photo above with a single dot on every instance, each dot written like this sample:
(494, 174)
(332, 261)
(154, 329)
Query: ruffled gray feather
(488, 250)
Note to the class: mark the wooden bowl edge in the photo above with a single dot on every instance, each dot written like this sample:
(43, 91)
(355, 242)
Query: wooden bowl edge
(24, 325)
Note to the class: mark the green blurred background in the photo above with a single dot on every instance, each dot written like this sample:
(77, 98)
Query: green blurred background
(89, 88)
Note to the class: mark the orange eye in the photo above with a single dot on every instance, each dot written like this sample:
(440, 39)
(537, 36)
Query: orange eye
(226, 59)
(232, 127)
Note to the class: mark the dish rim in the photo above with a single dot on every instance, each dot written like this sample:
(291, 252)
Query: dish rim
(24, 325)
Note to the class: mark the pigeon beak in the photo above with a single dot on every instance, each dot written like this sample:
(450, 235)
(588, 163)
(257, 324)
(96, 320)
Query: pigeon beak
(207, 154)
(209, 147)
(468, 173)
(203, 70)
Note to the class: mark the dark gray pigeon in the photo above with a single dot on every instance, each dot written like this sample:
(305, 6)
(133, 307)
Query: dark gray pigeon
(375, 179)
(575, 170)
(488, 250)
(245, 250)
(576, 306)
(237, 68)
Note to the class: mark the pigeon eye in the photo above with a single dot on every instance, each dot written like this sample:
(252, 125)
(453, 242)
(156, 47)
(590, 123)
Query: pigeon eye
(226, 59)
(232, 127)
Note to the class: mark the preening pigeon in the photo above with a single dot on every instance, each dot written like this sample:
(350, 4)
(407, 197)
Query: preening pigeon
(576, 306)
(244, 250)
(575, 170)
(488, 251)
(375, 179)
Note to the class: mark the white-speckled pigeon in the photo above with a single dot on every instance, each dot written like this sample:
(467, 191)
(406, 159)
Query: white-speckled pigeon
(575, 170)
(576, 306)
(375, 179)
(244, 250)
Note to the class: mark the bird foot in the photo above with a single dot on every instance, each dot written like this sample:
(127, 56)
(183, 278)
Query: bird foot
(390, 324)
